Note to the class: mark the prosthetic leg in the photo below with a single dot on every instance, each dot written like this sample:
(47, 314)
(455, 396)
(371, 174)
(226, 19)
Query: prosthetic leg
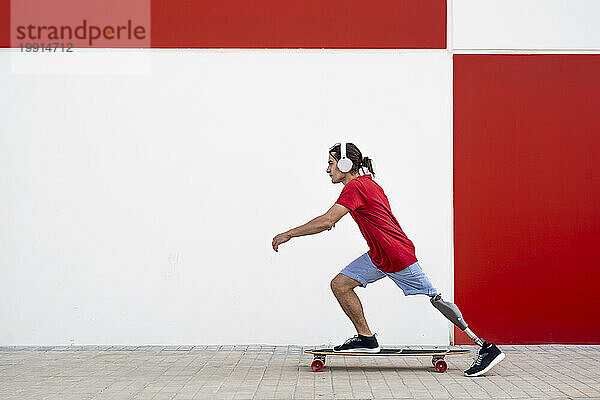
(451, 311)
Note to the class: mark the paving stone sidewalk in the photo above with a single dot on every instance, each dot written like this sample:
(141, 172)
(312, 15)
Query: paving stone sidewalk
(273, 372)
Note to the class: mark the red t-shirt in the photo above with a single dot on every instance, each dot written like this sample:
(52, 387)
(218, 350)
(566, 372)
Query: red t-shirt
(389, 248)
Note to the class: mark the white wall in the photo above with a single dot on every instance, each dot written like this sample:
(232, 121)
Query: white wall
(140, 208)
(526, 24)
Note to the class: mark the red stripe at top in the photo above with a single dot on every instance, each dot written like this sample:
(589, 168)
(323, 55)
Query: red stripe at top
(299, 24)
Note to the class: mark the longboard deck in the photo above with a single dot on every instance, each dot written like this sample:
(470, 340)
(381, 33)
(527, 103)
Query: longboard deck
(392, 352)
(437, 355)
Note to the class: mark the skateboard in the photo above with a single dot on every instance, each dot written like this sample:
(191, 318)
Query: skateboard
(437, 355)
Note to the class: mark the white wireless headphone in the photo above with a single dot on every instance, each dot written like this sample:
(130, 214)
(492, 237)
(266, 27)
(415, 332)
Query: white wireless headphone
(345, 164)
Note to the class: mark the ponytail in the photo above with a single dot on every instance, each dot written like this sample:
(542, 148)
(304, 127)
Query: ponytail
(367, 162)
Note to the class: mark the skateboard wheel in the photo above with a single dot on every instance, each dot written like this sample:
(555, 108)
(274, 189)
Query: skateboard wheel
(435, 359)
(441, 366)
(317, 365)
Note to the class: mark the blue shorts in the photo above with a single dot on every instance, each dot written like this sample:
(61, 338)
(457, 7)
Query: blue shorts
(411, 279)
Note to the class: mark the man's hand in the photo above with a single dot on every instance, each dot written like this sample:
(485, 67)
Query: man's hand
(281, 238)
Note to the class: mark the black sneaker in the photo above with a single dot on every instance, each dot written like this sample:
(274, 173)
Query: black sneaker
(488, 356)
(359, 344)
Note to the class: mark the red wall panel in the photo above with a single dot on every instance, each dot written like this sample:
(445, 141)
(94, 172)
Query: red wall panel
(4, 23)
(288, 24)
(527, 197)
(299, 23)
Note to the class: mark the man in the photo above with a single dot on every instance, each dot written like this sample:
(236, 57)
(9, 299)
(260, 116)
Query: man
(390, 254)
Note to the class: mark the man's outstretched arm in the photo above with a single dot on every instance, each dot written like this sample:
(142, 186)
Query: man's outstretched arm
(316, 225)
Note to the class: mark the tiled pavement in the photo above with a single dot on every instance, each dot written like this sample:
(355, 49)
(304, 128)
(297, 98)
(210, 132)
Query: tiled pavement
(270, 372)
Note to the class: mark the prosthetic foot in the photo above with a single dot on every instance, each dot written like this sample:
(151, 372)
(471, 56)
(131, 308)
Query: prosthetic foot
(487, 356)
